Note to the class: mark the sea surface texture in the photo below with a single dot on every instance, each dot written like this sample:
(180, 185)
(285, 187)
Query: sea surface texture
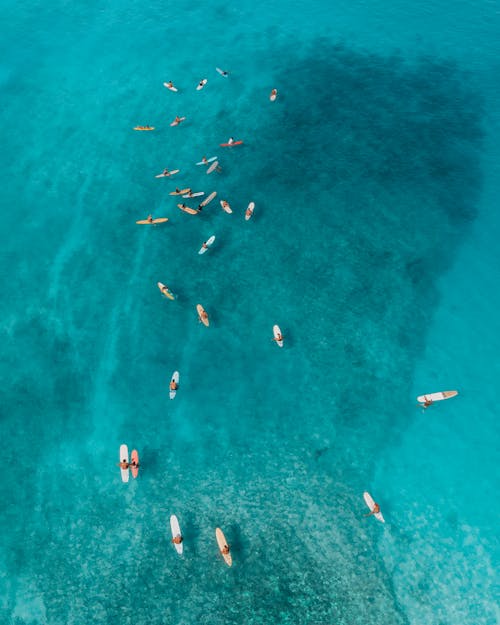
(374, 246)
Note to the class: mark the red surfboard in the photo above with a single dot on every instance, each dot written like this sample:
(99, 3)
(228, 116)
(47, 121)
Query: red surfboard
(134, 457)
(230, 145)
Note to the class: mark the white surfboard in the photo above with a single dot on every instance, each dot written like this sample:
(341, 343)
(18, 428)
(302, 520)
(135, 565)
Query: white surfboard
(209, 198)
(226, 207)
(222, 72)
(370, 503)
(277, 332)
(170, 173)
(209, 160)
(208, 243)
(432, 397)
(172, 88)
(124, 458)
(175, 528)
(175, 378)
(213, 167)
(249, 211)
(197, 194)
(201, 84)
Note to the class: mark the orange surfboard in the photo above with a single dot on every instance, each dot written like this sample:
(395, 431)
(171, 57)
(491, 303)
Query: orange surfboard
(134, 458)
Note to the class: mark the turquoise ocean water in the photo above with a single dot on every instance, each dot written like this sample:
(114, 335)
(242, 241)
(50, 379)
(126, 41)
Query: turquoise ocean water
(374, 245)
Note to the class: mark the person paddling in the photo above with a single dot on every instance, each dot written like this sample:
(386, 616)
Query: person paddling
(374, 510)
(278, 338)
(173, 385)
(177, 539)
(225, 550)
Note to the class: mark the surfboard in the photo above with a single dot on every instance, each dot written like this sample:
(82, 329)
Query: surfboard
(213, 167)
(187, 209)
(225, 206)
(134, 457)
(273, 95)
(144, 128)
(170, 173)
(370, 503)
(200, 310)
(201, 84)
(175, 528)
(277, 332)
(249, 211)
(165, 291)
(209, 160)
(124, 458)
(180, 192)
(172, 88)
(176, 123)
(209, 198)
(208, 242)
(222, 72)
(230, 145)
(158, 220)
(175, 378)
(197, 194)
(222, 542)
(436, 396)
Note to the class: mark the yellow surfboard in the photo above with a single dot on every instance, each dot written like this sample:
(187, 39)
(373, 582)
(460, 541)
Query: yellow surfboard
(165, 290)
(221, 541)
(202, 315)
(187, 209)
(159, 220)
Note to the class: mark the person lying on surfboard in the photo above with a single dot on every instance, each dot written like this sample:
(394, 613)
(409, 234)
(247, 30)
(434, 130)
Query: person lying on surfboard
(375, 510)
(204, 245)
(169, 84)
(225, 550)
(173, 385)
(134, 464)
(123, 464)
(278, 338)
(177, 539)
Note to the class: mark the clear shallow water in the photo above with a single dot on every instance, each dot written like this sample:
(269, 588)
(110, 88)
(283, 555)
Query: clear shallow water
(374, 179)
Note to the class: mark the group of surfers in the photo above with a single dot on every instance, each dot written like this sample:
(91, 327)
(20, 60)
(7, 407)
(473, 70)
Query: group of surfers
(204, 316)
